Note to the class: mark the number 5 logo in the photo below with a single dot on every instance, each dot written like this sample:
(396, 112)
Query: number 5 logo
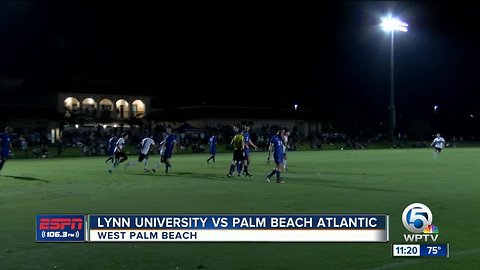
(416, 217)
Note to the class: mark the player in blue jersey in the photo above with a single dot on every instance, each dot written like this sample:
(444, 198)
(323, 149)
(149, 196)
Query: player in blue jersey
(6, 146)
(212, 147)
(276, 144)
(112, 142)
(247, 152)
(167, 148)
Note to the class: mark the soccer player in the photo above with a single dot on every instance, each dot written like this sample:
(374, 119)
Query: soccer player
(248, 143)
(119, 155)
(23, 145)
(145, 146)
(212, 147)
(238, 147)
(112, 142)
(285, 148)
(277, 144)
(439, 143)
(167, 147)
(6, 146)
(162, 152)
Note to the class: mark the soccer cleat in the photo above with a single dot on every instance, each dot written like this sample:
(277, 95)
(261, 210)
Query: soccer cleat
(280, 181)
(229, 175)
(146, 170)
(248, 175)
(153, 170)
(268, 179)
(109, 171)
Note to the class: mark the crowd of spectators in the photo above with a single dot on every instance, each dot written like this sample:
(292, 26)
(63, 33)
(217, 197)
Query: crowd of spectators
(93, 141)
(342, 140)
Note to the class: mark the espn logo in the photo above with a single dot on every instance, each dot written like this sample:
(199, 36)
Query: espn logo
(61, 223)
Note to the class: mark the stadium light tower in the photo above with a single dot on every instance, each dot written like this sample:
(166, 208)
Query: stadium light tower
(391, 25)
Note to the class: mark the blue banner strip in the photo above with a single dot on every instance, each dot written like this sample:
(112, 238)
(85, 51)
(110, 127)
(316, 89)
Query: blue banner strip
(254, 222)
(434, 250)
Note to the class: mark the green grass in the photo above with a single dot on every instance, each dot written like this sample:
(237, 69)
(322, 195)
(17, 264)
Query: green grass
(356, 181)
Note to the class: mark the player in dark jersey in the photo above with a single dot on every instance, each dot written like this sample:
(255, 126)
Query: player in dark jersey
(167, 147)
(111, 148)
(238, 147)
(247, 152)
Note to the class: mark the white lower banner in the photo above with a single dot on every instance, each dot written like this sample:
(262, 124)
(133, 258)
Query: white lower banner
(232, 235)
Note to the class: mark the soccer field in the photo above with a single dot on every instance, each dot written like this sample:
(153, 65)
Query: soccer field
(361, 181)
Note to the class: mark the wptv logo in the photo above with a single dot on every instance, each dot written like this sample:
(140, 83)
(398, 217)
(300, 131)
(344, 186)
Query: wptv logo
(417, 218)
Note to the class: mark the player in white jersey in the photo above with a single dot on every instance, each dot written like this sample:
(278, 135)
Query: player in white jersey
(120, 155)
(285, 148)
(439, 144)
(145, 146)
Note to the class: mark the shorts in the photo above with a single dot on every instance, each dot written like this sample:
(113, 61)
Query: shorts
(213, 151)
(238, 155)
(278, 158)
(247, 152)
(119, 155)
(4, 154)
(141, 157)
(438, 149)
(168, 153)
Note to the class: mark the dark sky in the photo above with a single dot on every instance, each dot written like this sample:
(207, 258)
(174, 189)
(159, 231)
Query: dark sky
(328, 56)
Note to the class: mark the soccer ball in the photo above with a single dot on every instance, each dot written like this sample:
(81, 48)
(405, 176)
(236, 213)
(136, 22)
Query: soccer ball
(341, 148)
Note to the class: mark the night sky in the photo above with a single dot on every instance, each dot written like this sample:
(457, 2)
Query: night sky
(332, 58)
